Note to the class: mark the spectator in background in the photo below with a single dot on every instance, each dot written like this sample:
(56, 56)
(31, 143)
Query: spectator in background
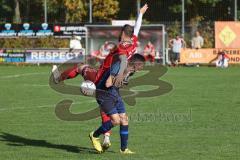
(149, 52)
(222, 60)
(197, 41)
(75, 43)
(176, 44)
(102, 53)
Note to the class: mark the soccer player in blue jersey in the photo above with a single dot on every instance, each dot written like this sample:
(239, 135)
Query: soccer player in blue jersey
(126, 49)
(110, 101)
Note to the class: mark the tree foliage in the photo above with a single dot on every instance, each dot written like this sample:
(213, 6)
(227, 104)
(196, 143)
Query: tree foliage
(105, 10)
(72, 11)
(5, 10)
(192, 6)
(75, 11)
(5, 6)
(174, 30)
(63, 11)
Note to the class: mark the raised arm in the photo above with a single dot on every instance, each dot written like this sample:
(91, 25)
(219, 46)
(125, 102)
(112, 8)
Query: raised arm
(139, 19)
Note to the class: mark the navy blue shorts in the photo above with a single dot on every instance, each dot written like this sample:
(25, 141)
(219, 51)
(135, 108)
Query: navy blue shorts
(110, 101)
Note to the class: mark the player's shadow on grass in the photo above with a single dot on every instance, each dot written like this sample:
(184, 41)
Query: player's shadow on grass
(14, 140)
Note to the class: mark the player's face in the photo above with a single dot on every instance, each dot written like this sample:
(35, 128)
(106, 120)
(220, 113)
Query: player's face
(125, 37)
(197, 34)
(136, 66)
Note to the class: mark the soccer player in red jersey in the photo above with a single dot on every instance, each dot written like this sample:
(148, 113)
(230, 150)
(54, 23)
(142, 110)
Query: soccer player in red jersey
(149, 52)
(124, 50)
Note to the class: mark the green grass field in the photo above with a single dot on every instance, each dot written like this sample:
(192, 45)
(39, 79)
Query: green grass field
(198, 120)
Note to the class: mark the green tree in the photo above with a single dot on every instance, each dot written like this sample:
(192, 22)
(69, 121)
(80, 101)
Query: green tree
(192, 9)
(76, 10)
(32, 11)
(56, 11)
(73, 11)
(5, 10)
(174, 30)
(25, 11)
(105, 10)
(193, 6)
(5, 5)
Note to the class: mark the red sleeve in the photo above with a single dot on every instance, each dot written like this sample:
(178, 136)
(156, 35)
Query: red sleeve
(106, 64)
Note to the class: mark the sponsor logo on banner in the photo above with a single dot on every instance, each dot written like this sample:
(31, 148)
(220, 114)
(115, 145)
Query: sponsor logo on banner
(207, 56)
(227, 34)
(55, 56)
(12, 55)
(61, 31)
(8, 32)
(26, 32)
(32, 31)
(44, 31)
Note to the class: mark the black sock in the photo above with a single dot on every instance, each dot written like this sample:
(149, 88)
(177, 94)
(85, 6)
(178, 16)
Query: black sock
(124, 137)
(103, 129)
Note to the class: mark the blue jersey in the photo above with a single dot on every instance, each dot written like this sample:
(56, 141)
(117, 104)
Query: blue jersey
(109, 99)
(113, 71)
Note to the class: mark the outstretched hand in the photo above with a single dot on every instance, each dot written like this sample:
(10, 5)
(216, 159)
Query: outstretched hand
(144, 9)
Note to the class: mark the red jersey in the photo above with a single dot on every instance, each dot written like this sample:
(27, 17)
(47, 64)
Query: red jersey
(106, 65)
(149, 49)
(124, 47)
(128, 47)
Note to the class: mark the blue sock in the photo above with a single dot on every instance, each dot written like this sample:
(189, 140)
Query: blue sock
(124, 137)
(103, 129)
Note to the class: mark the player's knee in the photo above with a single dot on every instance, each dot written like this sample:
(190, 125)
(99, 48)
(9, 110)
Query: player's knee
(116, 121)
(81, 68)
(124, 120)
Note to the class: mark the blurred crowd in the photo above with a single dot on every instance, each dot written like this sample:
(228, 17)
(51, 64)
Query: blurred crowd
(176, 44)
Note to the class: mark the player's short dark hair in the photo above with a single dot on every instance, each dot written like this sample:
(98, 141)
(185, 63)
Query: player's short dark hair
(127, 30)
(137, 57)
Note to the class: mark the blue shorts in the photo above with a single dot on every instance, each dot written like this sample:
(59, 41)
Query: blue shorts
(110, 101)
